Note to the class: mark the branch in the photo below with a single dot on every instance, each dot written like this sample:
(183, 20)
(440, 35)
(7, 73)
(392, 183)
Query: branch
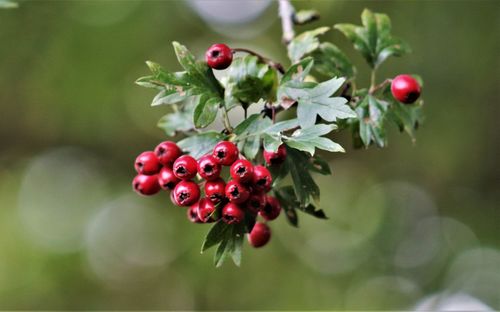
(263, 59)
(286, 13)
(374, 89)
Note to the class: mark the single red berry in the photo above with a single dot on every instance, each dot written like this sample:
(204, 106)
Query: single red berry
(219, 56)
(405, 89)
(208, 168)
(167, 179)
(262, 179)
(146, 184)
(206, 211)
(272, 209)
(147, 163)
(256, 202)
(185, 167)
(167, 152)
(260, 235)
(241, 171)
(275, 158)
(192, 213)
(236, 192)
(186, 193)
(226, 153)
(232, 213)
(215, 190)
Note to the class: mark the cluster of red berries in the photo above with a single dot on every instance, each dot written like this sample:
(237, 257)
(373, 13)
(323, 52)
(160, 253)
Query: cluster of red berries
(244, 195)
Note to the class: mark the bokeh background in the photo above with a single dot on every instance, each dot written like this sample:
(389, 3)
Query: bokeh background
(411, 226)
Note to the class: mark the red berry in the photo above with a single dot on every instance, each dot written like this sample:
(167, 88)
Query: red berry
(225, 153)
(206, 211)
(208, 168)
(146, 184)
(256, 202)
(242, 171)
(192, 213)
(215, 190)
(232, 213)
(272, 209)
(185, 167)
(167, 179)
(186, 193)
(147, 163)
(262, 179)
(219, 56)
(275, 158)
(405, 89)
(260, 235)
(167, 152)
(236, 192)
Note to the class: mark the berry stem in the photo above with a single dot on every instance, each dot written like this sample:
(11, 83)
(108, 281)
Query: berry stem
(286, 13)
(381, 85)
(263, 59)
(373, 80)
(225, 119)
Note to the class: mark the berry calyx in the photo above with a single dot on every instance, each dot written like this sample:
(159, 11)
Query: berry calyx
(208, 168)
(237, 193)
(186, 193)
(206, 211)
(226, 153)
(167, 179)
(147, 163)
(219, 56)
(272, 209)
(192, 213)
(262, 179)
(260, 235)
(232, 213)
(167, 152)
(256, 202)
(241, 171)
(405, 89)
(215, 190)
(185, 167)
(275, 158)
(146, 184)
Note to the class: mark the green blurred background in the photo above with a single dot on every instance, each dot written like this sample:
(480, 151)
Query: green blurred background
(411, 226)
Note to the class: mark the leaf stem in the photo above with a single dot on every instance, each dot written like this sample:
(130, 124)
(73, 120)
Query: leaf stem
(263, 59)
(373, 79)
(225, 119)
(381, 85)
(286, 13)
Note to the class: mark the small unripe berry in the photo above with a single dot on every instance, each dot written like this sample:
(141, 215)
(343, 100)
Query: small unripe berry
(271, 210)
(275, 158)
(226, 153)
(167, 179)
(241, 171)
(206, 211)
(262, 179)
(208, 168)
(256, 202)
(147, 163)
(167, 152)
(405, 89)
(192, 213)
(232, 213)
(260, 235)
(185, 167)
(146, 184)
(219, 56)
(215, 190)
(186, 193)
(236, 193)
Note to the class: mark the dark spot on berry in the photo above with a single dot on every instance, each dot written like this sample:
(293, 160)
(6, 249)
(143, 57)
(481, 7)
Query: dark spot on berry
(412, 97)
(221, 154)
(208, 168)
(235, 192)
(241, 170)
(136, 185)
(169, 185)
(140, 165)
(261, 181)
(183, 196)
(268, 208)
(181, 170)
(161, 150)
(215, 53)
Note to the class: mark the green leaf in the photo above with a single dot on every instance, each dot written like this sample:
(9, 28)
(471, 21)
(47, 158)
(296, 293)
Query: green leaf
(168, 96)
(371, 114)
(216, 234)
(330, 61)
(305, 16)
(305, 43)
(221, 253)
(200, 144)
(250, 132)
(298, 71)
(205, 111)
(357, 35)
(178, 121)
(297, 163)
(309, 139)
(289, 202)
(320, 166)
(236, 244)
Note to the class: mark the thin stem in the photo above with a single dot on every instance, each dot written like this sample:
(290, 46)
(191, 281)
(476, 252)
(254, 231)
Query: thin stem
(227, 123)
(381, 85)
(245, 112)
(263, 59)
(373, 79)
(286, 12)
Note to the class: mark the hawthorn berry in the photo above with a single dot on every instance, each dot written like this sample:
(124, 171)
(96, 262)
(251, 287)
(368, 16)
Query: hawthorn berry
(237, 193)
(226, 153)
(405, 89)
(232, 213)
(167, 152)
(256, 202)
(192, 213)
(260, 235)
(271, 209)
(215, 190)
(275, 158)
(147, 163)
(219, 56)
(241, 171)
(185, 167)
(186, 193)
(208, 167)
(262, 179)
(206, 210)
(167, 179)
(146, 184)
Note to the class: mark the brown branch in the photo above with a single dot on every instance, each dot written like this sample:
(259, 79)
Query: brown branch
(263, 59)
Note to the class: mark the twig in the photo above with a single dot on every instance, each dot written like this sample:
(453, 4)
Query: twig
(286, 12)
(263, 59)
(374, 89)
